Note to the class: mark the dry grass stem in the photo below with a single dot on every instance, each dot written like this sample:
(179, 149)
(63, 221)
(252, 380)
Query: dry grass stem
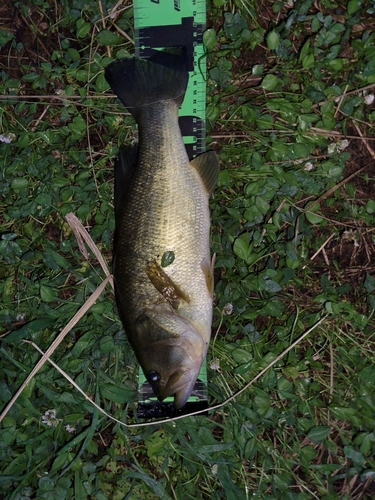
(365, 141)
(82, 236)
(322, 246)
(342, 97)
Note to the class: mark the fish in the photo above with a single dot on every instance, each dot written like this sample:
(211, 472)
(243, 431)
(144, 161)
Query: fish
(162, 210)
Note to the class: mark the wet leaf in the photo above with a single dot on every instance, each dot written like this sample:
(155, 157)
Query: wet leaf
(167, 259)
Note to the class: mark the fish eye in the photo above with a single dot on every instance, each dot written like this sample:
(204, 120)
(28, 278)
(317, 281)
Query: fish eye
(153, 377)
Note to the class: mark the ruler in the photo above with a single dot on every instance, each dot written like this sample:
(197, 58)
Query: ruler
(169, 23)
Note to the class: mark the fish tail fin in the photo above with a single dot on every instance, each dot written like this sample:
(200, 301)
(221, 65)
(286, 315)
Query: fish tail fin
(141, 82)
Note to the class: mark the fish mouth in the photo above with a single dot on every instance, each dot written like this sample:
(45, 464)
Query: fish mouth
(182, 394)
(180, 385)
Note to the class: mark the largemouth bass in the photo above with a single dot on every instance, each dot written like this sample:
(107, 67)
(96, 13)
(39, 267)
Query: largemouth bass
(161, 206)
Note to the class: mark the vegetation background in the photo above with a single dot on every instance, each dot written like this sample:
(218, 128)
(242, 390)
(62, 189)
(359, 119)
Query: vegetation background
(291, 114)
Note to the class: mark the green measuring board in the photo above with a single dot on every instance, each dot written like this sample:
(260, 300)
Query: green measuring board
(169, 23)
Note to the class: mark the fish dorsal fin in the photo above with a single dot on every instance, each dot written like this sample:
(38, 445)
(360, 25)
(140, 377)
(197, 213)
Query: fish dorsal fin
(208, 167)
(164, 284)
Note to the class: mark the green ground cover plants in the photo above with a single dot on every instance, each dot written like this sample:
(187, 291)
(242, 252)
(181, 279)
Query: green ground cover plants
(290, 112)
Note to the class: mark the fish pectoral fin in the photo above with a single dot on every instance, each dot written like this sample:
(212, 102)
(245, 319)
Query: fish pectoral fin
(165, 285)
(208, 167)
(208, 270)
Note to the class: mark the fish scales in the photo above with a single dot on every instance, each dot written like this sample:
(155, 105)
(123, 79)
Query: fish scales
(172, 216)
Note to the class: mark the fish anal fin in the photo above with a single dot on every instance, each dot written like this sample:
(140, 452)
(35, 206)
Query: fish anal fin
(208, 271)
(165, 285)
(208, 167)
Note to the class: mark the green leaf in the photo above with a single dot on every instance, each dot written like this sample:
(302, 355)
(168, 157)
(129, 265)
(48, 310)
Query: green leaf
(59, 259)
(366, 444)
(305, 49)
(43, 199)
(310, 213)
(19, 183)
(101, 83)
(208, 449)
(368, 375)
(370, 206)
(353, 6)
(29, 329)
(23, 140)
(81, 75)
(83, 28)
(262, 205)
(269, 82)
(281, 482)
(241, 356)
(209, 39)
(308, 61)
(74, 54)
(117, 394)
(273, 40)
(343, 413)
(47, 293)
(369, 283)
(257, 70)
(354, 455)
(30, 77)
(271, 286)
(5, 37)
(318, 433)
(46, 483)
(60, 461)
(49, 136)
(107, 344)
(213, 113)
(242, 248)
(107, 37)
(234, 24)
(167, 259)
(336, 64)
(273, 308)
(78, 125)
(315, 24)
(262, 401)
(307, 454)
